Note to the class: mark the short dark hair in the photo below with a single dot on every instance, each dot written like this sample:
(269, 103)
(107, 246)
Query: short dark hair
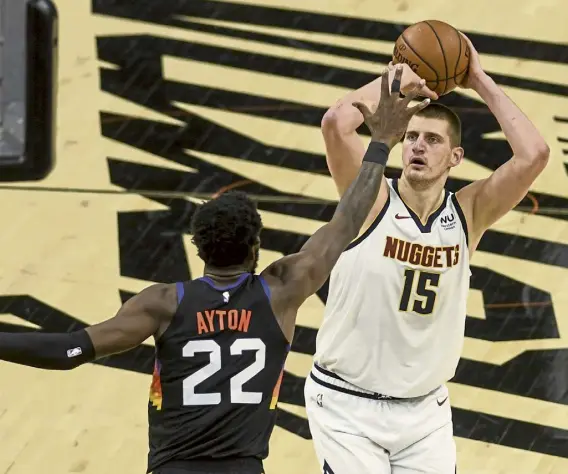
(442, 112)
(225, 229)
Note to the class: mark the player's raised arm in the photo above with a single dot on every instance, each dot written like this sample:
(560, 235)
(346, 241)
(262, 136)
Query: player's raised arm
(295, 277)
(487, 200)
(139, 318)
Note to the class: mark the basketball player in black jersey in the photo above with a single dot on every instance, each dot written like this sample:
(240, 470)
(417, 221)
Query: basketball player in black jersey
(222, 339)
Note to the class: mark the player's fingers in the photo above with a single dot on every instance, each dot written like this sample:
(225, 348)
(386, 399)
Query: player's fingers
(363, 109)
(427, 92)
(414, 92)
(395, 86)
(419, 106)
(420, 90)
(468, 41)
(385, 84)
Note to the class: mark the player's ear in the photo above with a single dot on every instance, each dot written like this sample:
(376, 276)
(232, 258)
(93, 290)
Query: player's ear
(457, 156)
(255, 248)
(256, 245)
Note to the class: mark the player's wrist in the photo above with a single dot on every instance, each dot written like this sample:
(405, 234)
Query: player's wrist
(377, 152)
(480, 82)
(388, 140)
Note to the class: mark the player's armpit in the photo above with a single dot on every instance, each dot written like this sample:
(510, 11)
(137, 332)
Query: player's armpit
(300, 275)
(139, 318)
(485, 201)
(294, 278)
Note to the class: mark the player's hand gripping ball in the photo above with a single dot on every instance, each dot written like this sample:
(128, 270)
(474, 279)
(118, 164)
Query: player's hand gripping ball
(435, 51)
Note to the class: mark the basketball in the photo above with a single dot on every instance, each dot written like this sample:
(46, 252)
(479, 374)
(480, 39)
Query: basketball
(435, 51)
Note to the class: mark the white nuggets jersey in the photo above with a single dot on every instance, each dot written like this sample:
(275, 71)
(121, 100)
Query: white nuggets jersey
(395, 314)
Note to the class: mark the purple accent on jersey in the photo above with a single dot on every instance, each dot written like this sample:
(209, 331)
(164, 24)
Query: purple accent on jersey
(265, 286)
(211, 283)
(180, 290)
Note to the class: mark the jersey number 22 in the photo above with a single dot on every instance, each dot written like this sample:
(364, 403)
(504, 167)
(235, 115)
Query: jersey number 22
(237, 394)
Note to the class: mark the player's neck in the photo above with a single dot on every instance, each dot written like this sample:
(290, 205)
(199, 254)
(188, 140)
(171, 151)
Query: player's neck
(423, 200)
(225, 274)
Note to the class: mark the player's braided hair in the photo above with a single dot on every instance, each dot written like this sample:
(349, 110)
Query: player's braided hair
(225, 229)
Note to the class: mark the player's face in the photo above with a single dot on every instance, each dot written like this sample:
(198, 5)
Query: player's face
(427, 152)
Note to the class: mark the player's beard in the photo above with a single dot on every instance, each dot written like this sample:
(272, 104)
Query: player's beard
(422, 180)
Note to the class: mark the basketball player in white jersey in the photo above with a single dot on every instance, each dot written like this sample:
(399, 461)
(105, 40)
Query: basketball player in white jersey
(393, 326)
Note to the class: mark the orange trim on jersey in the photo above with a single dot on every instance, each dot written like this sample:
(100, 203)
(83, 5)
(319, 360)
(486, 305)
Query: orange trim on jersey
(156, 387)
(276, 391)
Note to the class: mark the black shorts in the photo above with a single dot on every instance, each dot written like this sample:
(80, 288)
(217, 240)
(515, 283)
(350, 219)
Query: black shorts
(225, 466)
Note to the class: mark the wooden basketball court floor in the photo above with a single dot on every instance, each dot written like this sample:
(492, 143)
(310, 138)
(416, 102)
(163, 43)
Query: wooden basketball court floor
(163, 103)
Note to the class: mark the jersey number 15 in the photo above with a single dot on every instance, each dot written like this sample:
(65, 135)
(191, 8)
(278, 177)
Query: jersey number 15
(419, 291)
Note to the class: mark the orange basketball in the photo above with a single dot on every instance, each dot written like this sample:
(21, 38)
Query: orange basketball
(436, 52)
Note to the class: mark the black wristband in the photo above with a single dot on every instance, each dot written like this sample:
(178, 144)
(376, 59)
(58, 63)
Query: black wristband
(377, 152)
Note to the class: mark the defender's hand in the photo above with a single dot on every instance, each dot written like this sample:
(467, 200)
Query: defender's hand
(410, 80)
(389, 122)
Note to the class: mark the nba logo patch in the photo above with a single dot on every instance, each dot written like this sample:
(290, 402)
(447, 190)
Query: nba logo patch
(74, 352)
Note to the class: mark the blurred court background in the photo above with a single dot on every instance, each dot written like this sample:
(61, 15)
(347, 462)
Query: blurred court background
(162, 103)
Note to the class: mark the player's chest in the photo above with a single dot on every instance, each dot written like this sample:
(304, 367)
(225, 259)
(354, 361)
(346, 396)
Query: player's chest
(399, 244)
(440, 228)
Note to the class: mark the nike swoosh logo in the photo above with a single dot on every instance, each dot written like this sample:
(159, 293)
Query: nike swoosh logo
(401, 217)
(440, 403)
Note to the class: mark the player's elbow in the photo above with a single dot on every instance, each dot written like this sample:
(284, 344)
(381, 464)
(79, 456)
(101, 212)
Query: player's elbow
(339, 121)
(539, 155)
(330, 122)
(542, 152)
(535, 158)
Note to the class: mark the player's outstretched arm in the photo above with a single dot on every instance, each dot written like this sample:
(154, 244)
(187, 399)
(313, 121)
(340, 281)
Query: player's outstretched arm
(139, 318)
(294, 278)
(344, 147)
(485, 201)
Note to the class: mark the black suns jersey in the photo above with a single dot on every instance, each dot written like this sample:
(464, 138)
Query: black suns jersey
(217, 374)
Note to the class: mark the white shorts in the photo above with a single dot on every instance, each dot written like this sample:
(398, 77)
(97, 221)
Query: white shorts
(356, 433)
